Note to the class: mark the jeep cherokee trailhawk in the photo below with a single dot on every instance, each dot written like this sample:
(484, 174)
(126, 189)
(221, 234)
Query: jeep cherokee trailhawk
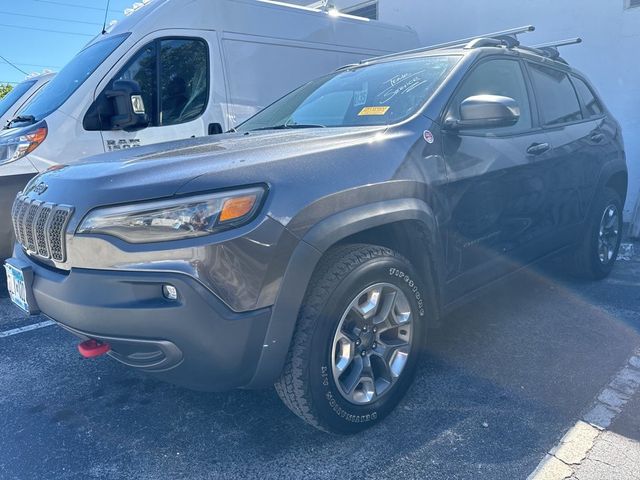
(312, 246)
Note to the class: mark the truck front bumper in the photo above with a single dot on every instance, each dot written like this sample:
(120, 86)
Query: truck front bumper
(195, 341)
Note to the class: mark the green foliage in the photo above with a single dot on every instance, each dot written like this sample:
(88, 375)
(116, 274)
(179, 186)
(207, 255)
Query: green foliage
(4, 89)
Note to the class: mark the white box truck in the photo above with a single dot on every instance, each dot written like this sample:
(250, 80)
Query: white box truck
(190, 68)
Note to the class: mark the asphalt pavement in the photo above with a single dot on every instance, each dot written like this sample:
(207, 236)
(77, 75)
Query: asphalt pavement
(501, 382)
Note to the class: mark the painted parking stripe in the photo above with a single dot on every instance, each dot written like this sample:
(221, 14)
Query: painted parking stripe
(28, 328)
(560, 462)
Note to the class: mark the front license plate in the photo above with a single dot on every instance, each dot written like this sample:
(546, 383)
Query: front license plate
(17, 287)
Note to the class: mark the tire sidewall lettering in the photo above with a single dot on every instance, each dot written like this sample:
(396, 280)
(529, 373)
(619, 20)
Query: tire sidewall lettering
(395, 272)
(335, 406)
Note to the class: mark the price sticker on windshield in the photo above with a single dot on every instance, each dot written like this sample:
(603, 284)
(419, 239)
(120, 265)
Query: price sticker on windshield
(370, 111)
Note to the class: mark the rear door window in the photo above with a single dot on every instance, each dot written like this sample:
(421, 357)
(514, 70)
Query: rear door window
(556, 96)
(591, 103)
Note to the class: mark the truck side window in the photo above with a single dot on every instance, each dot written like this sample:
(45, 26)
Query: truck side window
(498, 77)
(173, 74)
(556, 96)
(142, 69)
(184, 80)
(589, 100)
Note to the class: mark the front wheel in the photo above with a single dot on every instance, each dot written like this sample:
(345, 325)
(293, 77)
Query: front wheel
(598, 250)
(358, 340)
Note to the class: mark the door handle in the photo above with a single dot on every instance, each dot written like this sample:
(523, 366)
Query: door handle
(597, 137)
(538, 148)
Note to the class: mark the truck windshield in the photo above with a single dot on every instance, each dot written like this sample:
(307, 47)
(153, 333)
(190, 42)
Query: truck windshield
(74, 73)
(378, 94)
(14, 95)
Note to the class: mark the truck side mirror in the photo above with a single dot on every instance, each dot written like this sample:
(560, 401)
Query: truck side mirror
(485, 111)
(128, 106)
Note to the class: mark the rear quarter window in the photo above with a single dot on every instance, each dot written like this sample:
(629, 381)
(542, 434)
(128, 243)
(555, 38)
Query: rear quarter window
(592, 105)
(557, 99)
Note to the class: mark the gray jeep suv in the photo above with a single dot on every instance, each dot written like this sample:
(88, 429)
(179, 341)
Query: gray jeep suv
(312, 246)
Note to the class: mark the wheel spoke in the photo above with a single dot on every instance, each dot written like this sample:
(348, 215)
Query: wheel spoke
(387, 304)
(345, 349)
(353, 378)
(366, 388)
(393, 355)
(601, 250)
(611, 218)
(367, 371)
(369, 306)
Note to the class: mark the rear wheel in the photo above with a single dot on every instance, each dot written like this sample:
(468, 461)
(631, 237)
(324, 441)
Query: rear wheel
(358, 340)
(598, 251)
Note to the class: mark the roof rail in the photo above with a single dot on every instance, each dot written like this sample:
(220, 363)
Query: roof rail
(457, 43)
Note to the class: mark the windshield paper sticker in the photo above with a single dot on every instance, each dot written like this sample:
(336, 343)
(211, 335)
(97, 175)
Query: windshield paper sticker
(366, 111)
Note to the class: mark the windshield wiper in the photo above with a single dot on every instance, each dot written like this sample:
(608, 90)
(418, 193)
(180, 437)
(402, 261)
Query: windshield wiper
(287, 126)
(30, 119)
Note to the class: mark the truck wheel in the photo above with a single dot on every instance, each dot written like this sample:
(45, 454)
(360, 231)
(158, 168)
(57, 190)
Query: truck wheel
(598, 251)
(358, 339)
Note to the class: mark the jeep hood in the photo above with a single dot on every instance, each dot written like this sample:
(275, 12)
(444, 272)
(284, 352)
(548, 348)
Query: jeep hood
(161, 170)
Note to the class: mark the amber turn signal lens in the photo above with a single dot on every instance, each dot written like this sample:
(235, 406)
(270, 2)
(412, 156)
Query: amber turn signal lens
(36, 138)
(237, 207)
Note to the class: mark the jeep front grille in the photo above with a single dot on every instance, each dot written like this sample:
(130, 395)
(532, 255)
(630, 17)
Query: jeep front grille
(40, 227)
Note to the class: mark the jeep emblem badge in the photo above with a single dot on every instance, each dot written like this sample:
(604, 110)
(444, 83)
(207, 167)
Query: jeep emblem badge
(40, 188)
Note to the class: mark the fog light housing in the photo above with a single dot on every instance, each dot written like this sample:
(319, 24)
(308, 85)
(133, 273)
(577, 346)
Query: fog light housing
(170, 292)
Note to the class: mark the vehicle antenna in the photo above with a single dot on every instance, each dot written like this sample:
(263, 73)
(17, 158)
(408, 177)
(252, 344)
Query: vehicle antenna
(104, 23)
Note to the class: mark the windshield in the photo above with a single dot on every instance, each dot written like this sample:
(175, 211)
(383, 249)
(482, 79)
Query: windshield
(379, 94)
(14, 95)
(71, 77)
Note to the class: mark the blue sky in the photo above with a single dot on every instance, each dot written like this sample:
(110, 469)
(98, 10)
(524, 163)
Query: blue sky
(39, 34)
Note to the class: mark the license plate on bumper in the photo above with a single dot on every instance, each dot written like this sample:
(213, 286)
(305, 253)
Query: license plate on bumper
(19, 282)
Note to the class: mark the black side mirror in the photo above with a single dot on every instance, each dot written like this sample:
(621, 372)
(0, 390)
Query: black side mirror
(128, 106)
(485, 111)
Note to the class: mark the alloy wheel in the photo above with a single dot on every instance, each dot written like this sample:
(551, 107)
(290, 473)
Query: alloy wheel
(372, 343)
(608, 234)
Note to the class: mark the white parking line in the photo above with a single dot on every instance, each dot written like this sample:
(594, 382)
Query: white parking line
(28, 328)
(561, 461)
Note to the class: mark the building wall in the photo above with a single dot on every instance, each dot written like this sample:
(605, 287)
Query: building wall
(610, 54)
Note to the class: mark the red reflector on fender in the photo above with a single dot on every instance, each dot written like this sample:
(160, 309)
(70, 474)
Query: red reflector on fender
(93, 348)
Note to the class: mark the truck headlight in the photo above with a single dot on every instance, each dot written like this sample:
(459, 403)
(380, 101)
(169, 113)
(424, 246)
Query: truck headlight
(14, 147)
(175, 219)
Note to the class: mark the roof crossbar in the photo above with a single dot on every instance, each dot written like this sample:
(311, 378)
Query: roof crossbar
(550, 49)
(457, 43)
(559, 43)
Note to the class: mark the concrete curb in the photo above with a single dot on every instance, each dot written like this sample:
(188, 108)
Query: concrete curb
(560, 462)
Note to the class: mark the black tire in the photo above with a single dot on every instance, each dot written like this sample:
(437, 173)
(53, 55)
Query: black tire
(587, 262)
(307, 384)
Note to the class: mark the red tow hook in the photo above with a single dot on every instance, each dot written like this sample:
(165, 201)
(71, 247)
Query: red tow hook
(93, 348)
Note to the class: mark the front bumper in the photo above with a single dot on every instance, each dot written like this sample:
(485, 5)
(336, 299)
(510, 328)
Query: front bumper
(195, 341)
